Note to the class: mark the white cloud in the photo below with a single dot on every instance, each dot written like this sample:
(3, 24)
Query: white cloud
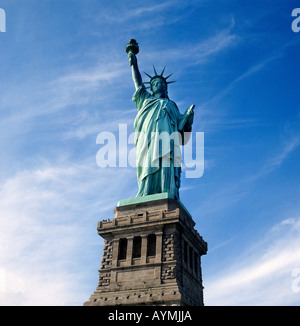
(263, 275)
(48, 219)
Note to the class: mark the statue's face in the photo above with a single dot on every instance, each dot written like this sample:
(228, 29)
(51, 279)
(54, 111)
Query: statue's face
(158, 86)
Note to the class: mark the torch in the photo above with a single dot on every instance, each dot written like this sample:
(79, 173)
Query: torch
(132, 47)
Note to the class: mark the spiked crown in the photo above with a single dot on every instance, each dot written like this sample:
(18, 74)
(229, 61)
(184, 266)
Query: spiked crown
(161, 76)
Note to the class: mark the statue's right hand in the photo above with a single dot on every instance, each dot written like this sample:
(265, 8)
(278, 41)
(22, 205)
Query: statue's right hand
(132, 58)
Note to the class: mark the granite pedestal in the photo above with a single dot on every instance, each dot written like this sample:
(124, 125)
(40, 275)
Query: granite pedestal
(151, 255)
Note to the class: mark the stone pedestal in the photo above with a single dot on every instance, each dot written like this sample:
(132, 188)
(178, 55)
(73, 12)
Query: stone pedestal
(151, 255)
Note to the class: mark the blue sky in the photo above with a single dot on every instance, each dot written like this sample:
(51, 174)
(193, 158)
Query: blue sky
(65, 78)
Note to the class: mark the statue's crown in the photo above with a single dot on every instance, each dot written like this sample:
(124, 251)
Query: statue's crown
(161, 76)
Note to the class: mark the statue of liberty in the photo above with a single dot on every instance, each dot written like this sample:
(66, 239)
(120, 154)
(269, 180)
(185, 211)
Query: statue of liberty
(160, 129)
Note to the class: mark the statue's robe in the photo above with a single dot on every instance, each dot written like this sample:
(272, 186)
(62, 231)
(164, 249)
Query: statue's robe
(158, 156)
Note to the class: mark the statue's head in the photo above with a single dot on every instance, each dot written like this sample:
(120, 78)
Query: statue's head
(158, 83)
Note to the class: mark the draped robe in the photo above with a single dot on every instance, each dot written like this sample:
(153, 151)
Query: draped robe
(157, 141)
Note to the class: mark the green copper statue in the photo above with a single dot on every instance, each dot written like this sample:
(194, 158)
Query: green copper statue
(160, 129)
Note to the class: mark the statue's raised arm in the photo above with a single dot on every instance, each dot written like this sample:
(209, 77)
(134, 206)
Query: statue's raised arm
(132, 50)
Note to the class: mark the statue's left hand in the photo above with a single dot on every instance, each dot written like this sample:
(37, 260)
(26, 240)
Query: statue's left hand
(190, 114)
(190, 110)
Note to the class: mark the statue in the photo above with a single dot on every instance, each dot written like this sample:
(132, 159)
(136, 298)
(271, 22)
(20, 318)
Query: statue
(160, 129)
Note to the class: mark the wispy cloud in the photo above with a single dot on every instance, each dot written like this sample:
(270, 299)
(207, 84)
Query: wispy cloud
(275, 160)
(93, 75)
(145, 15)
(263, 272)
(82, 86)
(249, 72)
(197, 52)
(290, 146)
(48, 223)
(150, 9)
(232, 192)
(76, 86)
